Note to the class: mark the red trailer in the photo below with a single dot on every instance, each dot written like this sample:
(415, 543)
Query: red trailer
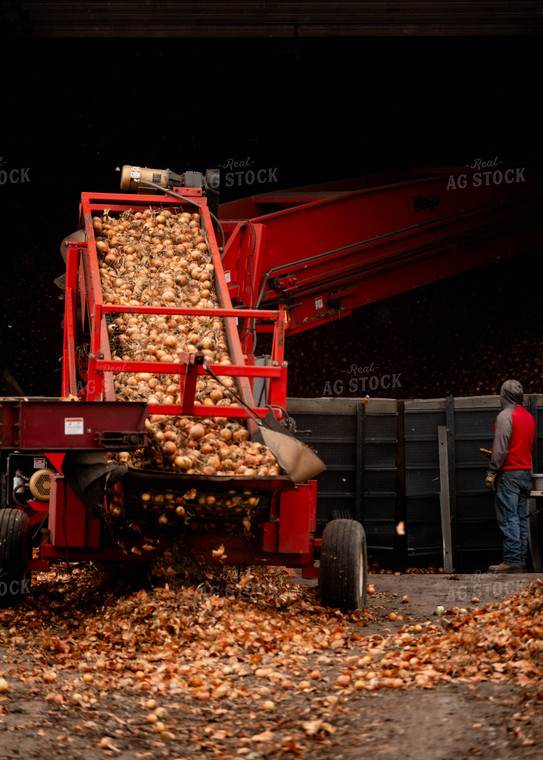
(283, 262)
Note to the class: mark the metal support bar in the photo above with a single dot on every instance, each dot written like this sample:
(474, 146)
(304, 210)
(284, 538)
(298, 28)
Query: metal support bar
(188, 381)
(400, 514)
(451, 457)
(532, 408)
(534, 519)
(360, 461)
(444, 498)
(534, 533)
(69, 377)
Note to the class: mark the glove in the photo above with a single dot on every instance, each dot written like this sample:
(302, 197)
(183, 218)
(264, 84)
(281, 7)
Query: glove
(489, 481)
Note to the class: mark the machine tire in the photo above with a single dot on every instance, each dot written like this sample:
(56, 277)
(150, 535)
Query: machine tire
(15, 551)
(341, 514)
(343, 565)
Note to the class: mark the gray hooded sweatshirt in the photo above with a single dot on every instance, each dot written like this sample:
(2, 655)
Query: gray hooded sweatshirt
(513, 451)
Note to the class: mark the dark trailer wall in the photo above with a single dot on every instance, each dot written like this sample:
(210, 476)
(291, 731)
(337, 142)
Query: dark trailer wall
(386, 463)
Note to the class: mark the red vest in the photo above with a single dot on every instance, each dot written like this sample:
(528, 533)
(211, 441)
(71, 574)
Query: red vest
(519, 456)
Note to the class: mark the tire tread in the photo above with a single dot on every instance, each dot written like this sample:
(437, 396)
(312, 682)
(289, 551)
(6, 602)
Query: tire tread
(14, 551)
(339, 573)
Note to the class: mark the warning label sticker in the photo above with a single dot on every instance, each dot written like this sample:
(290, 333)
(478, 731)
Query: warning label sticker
(73, 425)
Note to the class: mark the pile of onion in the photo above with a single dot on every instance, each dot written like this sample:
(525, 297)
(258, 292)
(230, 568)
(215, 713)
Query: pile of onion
(206, 446)
(160, 258)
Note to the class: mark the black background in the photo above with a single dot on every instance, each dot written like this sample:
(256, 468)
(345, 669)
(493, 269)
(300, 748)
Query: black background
(313, 110)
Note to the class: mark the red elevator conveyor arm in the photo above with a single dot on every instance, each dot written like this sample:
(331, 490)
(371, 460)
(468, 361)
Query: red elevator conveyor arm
(323, 250)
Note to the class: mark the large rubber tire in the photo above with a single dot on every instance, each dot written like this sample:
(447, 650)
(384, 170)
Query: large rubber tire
(341, 514)
(15, 549)
(343, 573)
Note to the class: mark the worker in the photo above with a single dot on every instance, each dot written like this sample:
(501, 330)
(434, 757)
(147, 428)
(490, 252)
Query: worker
(510, 476)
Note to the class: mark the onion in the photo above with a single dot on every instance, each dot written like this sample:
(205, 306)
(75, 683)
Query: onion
(197, 431)
(169, 448)
(242, 434)
(214, 461)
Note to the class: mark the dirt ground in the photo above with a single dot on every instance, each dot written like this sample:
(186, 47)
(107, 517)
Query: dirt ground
(88, 672)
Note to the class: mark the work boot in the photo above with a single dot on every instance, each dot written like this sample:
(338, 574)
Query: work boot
(503, 567)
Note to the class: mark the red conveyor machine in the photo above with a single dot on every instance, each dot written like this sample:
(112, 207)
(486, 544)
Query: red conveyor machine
(284, 261)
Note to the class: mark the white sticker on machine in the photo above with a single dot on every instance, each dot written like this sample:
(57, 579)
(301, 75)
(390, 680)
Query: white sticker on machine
(73, 425)
(319, 302)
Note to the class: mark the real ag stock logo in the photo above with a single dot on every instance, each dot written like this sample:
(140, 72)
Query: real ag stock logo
(240, 173)
(486, 174)
(361, 379)
(13, 587)
(17, 176)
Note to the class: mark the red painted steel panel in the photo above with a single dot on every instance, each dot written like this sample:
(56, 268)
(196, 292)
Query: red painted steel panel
(69, 377)
(67, 515)
(297, 519)
(269, 537)
(54, 425)
(310, 572)
(55, 459)
(324, 252)
(40, 510)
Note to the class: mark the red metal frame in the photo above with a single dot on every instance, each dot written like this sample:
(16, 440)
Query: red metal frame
(287, 538)
(53, 426)
(83, 286)
(97, 388)
(322, 251)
